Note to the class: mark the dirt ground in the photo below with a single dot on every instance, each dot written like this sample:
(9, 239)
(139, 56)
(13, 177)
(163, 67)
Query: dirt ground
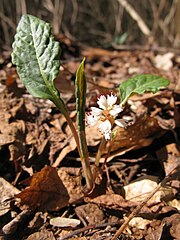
(41, 179)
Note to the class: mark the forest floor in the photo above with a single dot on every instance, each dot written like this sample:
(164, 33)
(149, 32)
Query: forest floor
(38, 149)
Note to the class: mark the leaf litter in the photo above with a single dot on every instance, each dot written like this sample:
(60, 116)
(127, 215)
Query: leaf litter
(33, 134)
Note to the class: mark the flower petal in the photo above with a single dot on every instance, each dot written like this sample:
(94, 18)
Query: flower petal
(115, 110)
(111, 100)
(120, 123)
(91, 120)
(105, 128)
(96, 111)
(102, 102)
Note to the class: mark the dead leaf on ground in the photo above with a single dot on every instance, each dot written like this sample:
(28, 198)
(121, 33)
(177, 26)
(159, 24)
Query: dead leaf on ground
(170, 156)
(139, 222)
(140, 134)
(90, 213)
(72, 181)
(111, 201)
(46, 192)
(42, 235)
(140, 189)
(164, 62)
(168, 229)
(7, 191)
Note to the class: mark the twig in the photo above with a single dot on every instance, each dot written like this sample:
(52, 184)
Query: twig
(138, 208)
(157, 49)
(81, 230)
(11, 227)
(132, 12)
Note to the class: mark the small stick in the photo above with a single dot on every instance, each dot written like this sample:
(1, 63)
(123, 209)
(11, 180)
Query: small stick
(11, 227)
(94, 226)
(138, 208)
(132, 12)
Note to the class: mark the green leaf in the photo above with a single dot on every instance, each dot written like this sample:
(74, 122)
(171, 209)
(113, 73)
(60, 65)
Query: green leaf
(80, 83)
(36, 55)
(140, 84)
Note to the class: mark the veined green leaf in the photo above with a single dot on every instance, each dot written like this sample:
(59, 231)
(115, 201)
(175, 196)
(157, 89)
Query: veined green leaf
(80, 83)
(140, 84)
(36, 55)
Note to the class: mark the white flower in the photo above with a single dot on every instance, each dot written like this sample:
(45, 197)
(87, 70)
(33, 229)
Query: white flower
(105, 115)
(105, 128)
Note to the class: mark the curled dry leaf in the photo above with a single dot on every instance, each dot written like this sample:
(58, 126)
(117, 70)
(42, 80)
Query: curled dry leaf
(140, 189)
(169, 229)
(90, 214)
(43, 235)
(139, 222)
(111, 201)
(46, 192)
(7, 191)
(140, 134)
(164, 62)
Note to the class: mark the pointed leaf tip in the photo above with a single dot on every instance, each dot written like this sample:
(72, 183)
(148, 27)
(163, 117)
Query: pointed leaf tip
(80, 83)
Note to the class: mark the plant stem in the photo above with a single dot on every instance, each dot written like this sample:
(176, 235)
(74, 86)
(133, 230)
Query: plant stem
(85, 161)
(100, 151)
(81, 145)
(62, 108)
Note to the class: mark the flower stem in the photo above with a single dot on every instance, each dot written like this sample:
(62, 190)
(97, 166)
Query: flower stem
(85, 161)
(62, 108)
(81, 145)
(100, 151)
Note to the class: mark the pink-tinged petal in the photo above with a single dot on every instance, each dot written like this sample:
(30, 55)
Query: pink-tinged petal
(96, 111)
(120, 123)
(115, 110)
(102, 102)
(111, 100)
(105, 128)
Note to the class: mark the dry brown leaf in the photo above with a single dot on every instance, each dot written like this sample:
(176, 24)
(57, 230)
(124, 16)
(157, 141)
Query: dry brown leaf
(72, 182)
(111, 201)
(6, 139)
(169, 226)
(7, 191)
(90, 213)
(42, 235)
(139, 222)
(67, 149)
(46, 192)
(138, 135)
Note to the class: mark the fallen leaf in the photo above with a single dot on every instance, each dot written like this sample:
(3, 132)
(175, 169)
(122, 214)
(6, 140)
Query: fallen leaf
(72, 183)
(6, 139)
(142, 187)
(169, 228)
(46, 192)
(140, 134)
(90, 213)
(175, 203)
(164, 62)
(42, 235)
(7, 191)
(111, 201)
(139, 222)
